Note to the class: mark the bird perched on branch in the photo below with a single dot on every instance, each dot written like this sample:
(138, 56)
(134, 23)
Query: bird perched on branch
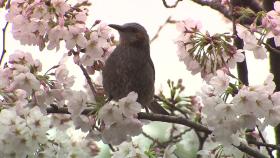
(130, 67)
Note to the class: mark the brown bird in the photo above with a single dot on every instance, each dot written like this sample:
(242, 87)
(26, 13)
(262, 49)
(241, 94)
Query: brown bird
(130, 67)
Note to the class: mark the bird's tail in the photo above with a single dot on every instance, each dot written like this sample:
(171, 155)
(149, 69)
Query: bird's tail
(155, 107)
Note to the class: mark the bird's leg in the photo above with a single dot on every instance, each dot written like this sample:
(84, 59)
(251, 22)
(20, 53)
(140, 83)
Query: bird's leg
(146, 108)
(108, 99)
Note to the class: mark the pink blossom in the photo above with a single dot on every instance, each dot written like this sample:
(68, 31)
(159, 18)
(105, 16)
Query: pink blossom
(60, 6)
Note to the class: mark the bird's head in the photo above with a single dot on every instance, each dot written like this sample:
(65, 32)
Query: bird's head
(131, 33)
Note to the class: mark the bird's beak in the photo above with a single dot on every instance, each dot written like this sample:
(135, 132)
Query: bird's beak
(116, 27)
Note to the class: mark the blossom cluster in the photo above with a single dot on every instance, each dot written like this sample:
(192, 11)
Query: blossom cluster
(22, 83)
(205, 53)
(130, 149)
(271, 23)
(31, 134)
(44, 22)
(229, 117)
(25, 134)
(26, 94)
(251, 43)
(35, 22)
(254, 37)
(119, 120)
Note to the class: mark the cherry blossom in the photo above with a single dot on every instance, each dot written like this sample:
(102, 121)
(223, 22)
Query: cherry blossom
(251, 43)
(128, 150)
(271, 23)
(119, 118)
(205, 53)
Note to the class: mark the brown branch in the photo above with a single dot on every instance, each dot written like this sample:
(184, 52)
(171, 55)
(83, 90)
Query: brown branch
(88, 80)
(272, 146)
(216, 5)
(242, 69)
(171, 6)
(4, 42)
(271, 49)
(147, 116)
(173, 119)
(246, 149)
(201, 139)
(170, 119)
(252, 4)
(65, 111)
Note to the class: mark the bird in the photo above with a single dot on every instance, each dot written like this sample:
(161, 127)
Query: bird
(130, 67)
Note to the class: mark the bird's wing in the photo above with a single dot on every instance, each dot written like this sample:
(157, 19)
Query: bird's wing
(152, 64)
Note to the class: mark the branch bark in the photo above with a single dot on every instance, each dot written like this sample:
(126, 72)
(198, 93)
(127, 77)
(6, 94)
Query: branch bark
(216, 5)
(171, 6)
(250, 151)
(4, 43)
(242, 69)
(170, 119)
(88, 80)
(173, 119)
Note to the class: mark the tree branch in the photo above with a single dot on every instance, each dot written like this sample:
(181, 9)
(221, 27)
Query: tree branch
(272, 146)
(252, 4)
(170, 119)
(171, 6)
(174, 119)
(242, 69)
(246, 149)
(4, 42)
(271, 49)
(216, 5)
(88, 80)
(147, 116)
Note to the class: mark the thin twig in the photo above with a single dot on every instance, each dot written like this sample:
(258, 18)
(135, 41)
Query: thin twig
(177, 137)
(111, 147)
(171, 6)
(171, 105)
(151, 138)
(264, 141)
(167, 21)
(4, 42)
(88, 80)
